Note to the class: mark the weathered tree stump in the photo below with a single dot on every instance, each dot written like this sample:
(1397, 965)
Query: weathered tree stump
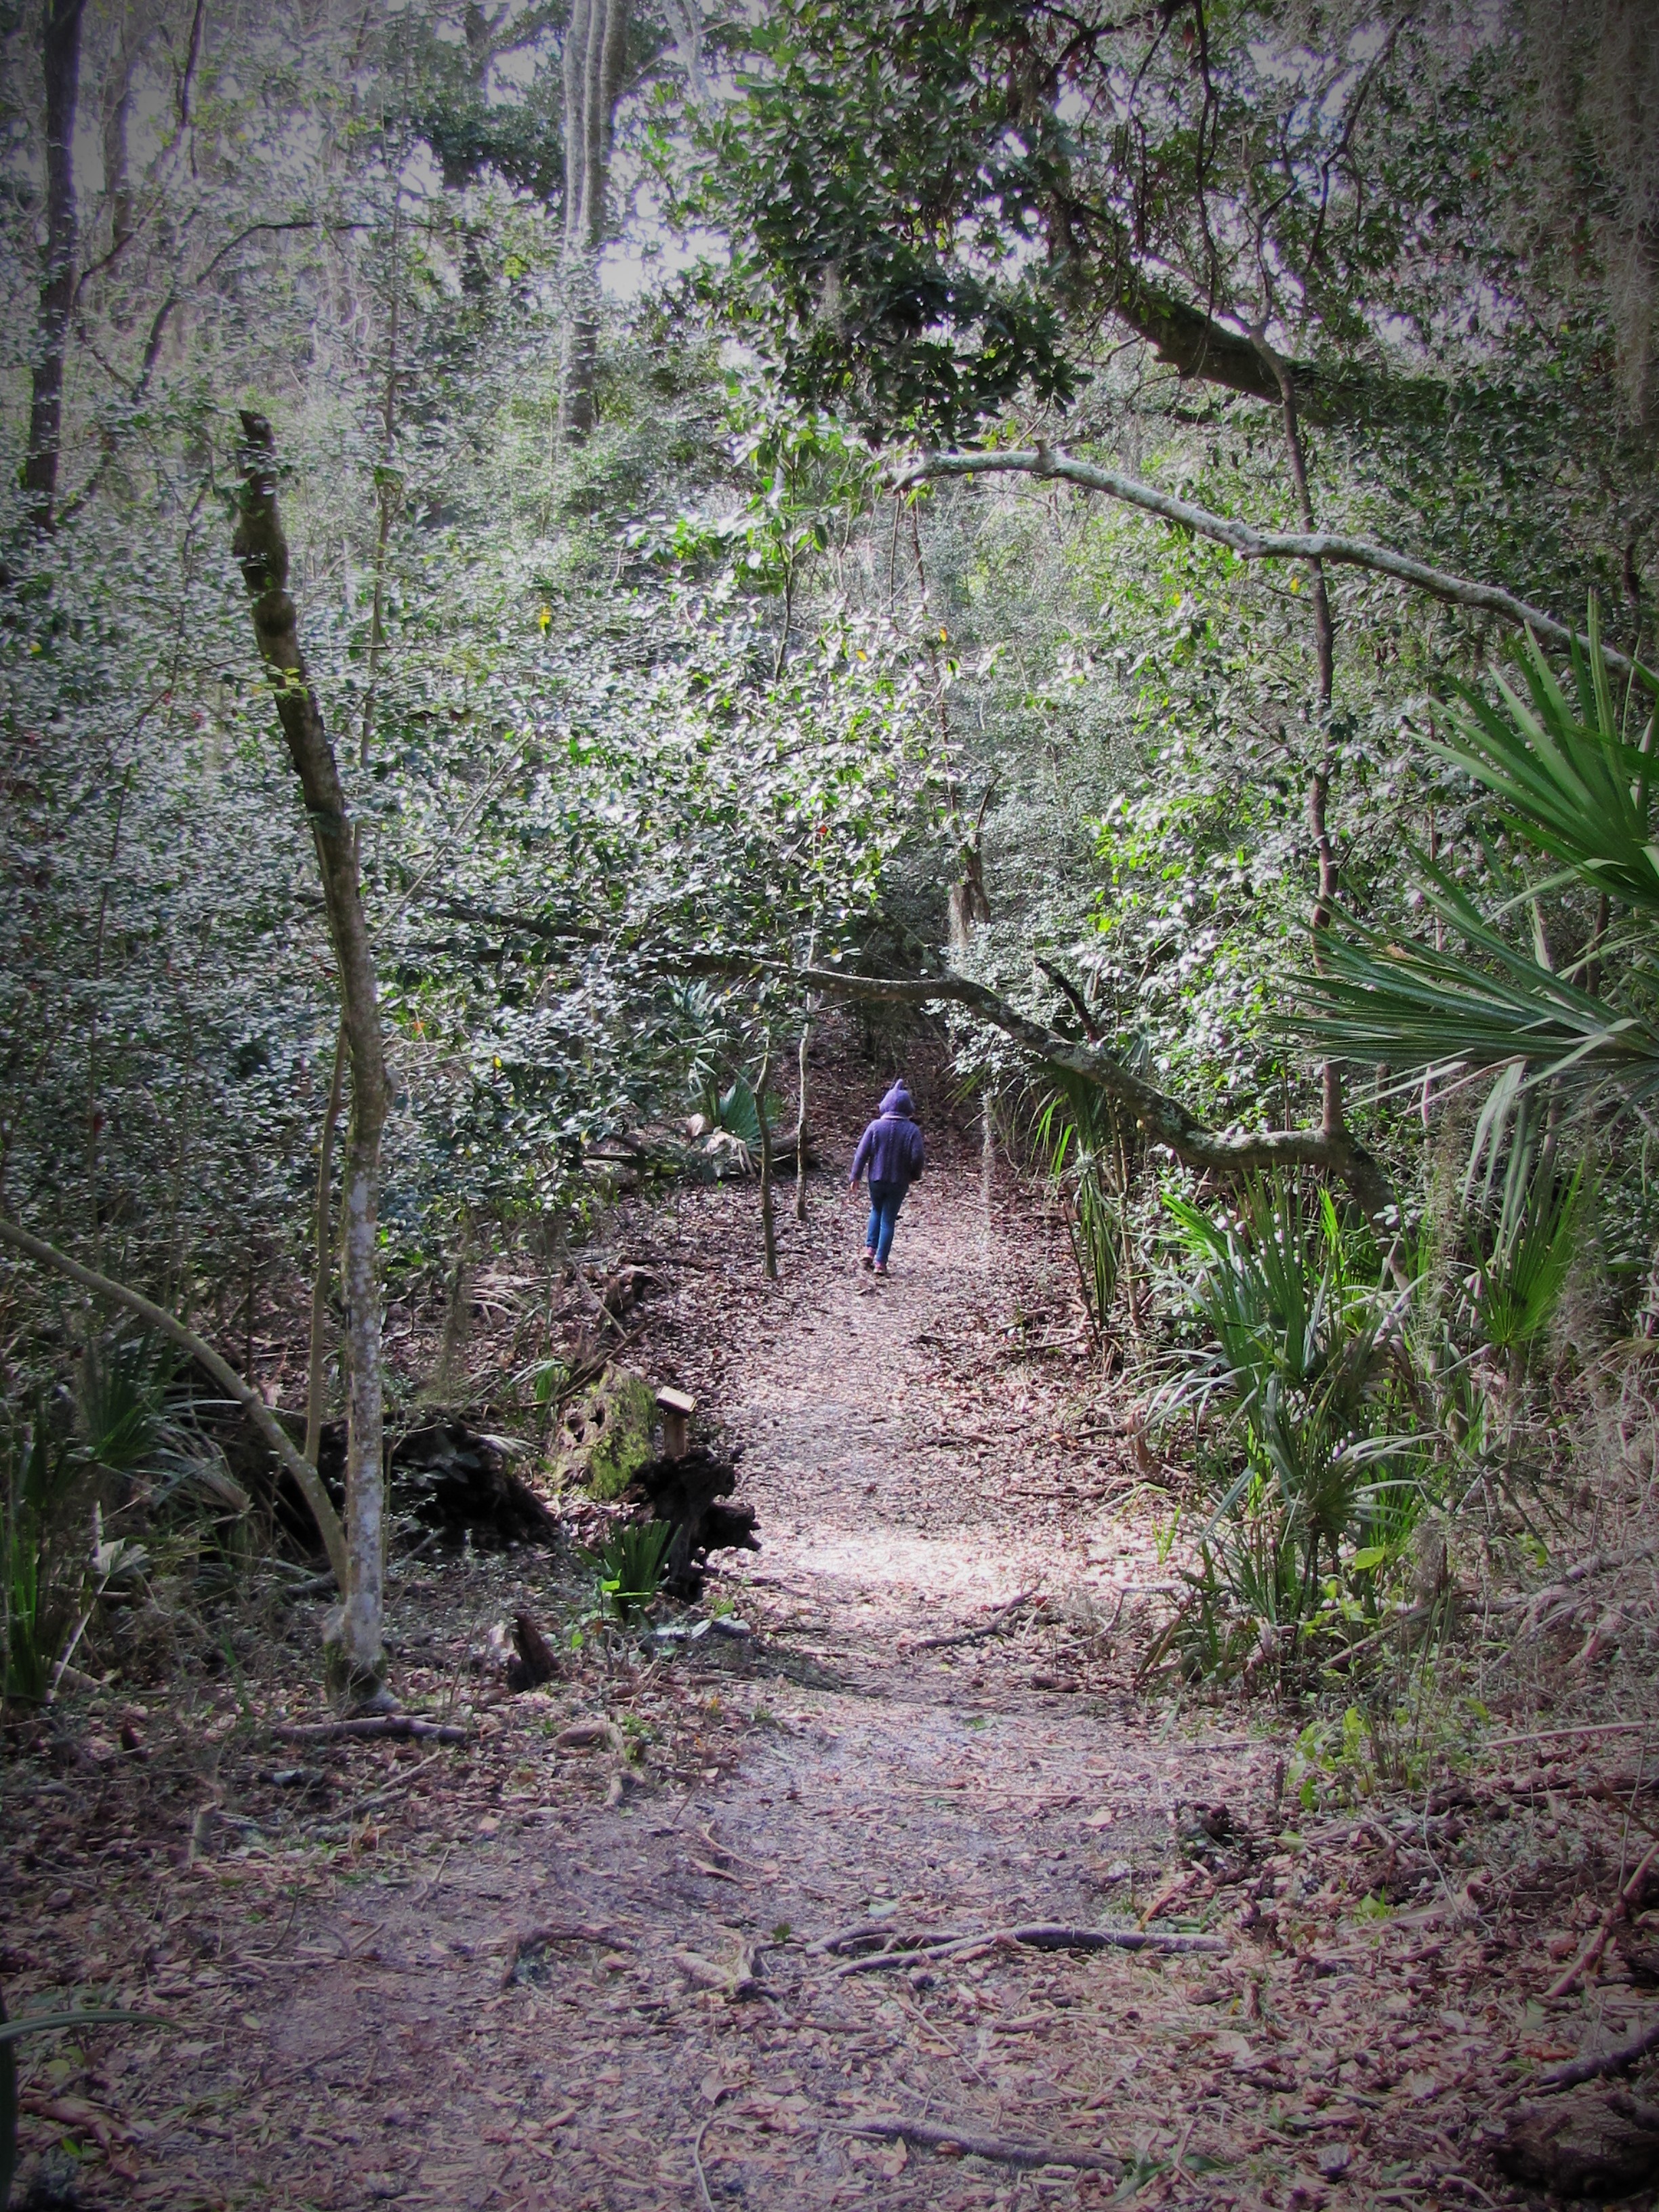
(534, 1663)
(685, 1492)
(1588, 2145)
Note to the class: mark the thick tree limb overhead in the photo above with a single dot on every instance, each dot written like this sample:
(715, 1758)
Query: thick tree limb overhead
(1165, 1119)
(1253, 545)
(1195, 345)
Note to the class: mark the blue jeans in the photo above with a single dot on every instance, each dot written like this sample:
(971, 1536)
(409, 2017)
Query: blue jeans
(886, 1199)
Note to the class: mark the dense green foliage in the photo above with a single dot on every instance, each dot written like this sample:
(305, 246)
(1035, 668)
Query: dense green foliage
(630, 723)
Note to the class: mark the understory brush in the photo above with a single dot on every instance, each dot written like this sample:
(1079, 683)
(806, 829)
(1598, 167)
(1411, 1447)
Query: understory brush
(114, 1501)
(1359, 1415)
(1079, 1138)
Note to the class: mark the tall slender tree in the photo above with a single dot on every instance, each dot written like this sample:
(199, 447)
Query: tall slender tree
(595, 53)
(61, 55)
(261, 551)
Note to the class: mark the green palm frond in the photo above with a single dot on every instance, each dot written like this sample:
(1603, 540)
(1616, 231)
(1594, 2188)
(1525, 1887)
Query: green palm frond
(1568, 783)
(1416, 1007)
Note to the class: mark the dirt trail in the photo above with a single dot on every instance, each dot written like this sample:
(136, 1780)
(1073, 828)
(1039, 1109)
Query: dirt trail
(548, 1972)
(939, 1792)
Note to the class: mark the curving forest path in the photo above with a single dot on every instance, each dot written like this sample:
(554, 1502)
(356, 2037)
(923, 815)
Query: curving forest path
(611, 1968)
(684, 1999)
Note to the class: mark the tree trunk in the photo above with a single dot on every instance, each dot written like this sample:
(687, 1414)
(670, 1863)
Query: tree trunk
(800, 1117)
(62, 56)
(1319, 781)
(118, 173)
(595, 49)
(355, 1633)
(387, 484)
(768, 1223)
(323, 1264)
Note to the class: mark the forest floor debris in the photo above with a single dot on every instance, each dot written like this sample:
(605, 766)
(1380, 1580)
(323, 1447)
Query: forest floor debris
(588, 1944)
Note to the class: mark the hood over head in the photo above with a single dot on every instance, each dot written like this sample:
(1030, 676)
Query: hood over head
(897, 1100)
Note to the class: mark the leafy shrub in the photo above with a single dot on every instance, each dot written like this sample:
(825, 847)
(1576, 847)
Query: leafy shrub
(1077, 1132)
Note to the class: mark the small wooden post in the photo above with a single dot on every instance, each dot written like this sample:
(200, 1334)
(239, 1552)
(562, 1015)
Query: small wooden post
(677, 1409)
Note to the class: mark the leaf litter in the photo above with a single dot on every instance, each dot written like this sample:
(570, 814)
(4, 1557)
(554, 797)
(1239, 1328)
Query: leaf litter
(598, 1953)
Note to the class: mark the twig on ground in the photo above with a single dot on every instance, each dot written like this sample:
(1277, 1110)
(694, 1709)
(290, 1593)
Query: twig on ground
(933, 2135)
(433, 1886)
(696, 2161)
(399, 1781)
(844, 1938)
(530, 1939)
(1622, 2055)
(1041, 1936)
(1556, 1735)
(997, 1625)
(375, 1725)
(1624, 1898)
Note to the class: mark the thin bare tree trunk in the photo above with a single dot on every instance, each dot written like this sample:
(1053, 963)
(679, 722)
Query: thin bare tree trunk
(595, 50)
(800, 1118)
(769, 1224)
(389, 488)
(359, 1661)
(62, 56)
(1319, 781)
(323, 1265)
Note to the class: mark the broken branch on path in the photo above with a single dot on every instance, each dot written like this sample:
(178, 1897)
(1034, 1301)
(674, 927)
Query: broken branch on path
(1006, 2150)
(373, 1725)
(1039, 1936)
(997, 1625)
(1619, 2060)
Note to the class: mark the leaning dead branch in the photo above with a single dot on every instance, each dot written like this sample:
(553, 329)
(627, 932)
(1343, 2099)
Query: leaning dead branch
(1164, 1119)
(166, 1324)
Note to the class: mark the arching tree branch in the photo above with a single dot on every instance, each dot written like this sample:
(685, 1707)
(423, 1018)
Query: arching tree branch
(1252, 544)
(1165, 1119)
(305, 1476)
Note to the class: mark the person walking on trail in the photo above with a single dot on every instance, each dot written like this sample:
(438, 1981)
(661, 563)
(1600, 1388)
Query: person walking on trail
(892, 1152)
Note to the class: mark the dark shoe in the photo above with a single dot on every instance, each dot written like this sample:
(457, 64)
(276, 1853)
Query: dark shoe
(866, 1259)
(881, 1267)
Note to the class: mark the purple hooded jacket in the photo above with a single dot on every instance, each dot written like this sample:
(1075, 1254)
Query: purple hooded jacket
(891, 1148)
